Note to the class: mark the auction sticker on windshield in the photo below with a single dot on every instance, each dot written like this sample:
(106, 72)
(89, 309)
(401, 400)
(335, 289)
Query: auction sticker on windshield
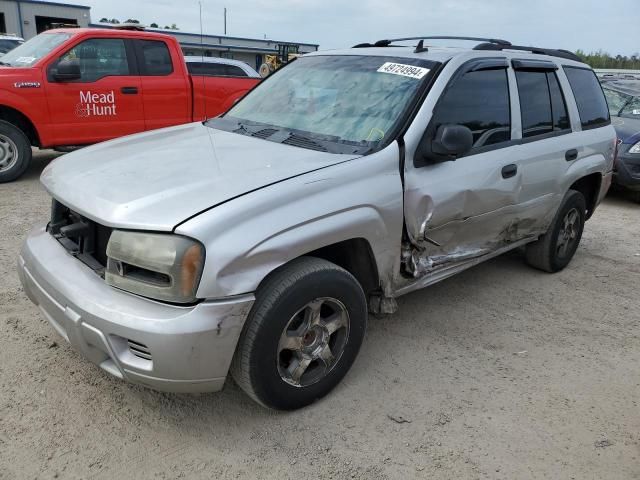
(404, 70)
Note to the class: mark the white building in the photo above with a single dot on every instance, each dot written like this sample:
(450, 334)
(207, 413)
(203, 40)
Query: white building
(27, 18)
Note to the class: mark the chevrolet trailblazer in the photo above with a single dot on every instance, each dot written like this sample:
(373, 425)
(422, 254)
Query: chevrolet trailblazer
(344, 180)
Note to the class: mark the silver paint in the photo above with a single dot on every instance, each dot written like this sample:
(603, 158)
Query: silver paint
(256, 205)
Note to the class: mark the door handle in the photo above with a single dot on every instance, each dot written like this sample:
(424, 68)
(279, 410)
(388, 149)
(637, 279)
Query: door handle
(571, 155)
(509, 171)
(129, 90)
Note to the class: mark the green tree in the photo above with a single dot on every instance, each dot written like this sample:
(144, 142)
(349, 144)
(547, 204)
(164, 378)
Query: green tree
(154, 25)
(132, 20)
(601, 59)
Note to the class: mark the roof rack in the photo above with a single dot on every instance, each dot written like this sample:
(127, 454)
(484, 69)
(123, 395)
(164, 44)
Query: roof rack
(542, 51)
(485, 44)
(387, 43)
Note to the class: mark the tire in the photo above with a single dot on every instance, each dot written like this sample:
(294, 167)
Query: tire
(279, 375)
(15, 152)
(554, 250)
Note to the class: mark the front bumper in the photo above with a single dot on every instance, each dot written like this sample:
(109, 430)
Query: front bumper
(627, 173)
(165, 347)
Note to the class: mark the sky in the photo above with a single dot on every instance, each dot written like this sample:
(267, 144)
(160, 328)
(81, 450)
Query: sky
(590, 25)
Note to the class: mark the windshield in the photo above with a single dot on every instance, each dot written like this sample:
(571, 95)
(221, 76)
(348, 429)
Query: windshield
(33, 50)
(7, 44)
(339, 104)
(623, 104)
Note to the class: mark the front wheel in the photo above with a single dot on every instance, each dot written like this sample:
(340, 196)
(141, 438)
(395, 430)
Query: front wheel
(554, 250)
(302, 335)
(15, 152)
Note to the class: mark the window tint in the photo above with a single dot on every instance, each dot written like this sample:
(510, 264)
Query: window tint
(592, 105)
(215, 69)
(535, 103)
(206, 68)
(235, 71)
(156, 59)
(99, 58)
(480, 101)
(541, 103)
(558, 105)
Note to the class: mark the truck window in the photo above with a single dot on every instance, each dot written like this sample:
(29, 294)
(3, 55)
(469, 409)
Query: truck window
(592, 106)
(478, 100)
(99, 58)
(235, 71)
(215, 69)
(155, 58)
(541, 103)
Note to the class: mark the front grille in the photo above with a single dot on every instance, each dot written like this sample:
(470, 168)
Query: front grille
(139, 350)
(82, 237)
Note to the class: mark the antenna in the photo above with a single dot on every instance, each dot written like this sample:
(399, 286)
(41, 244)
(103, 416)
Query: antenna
(204, 78)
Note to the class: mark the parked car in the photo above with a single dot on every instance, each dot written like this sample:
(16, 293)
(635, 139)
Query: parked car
(73, 87)
(623, 97)
(256, 242)
(9, 42)
(219, 67)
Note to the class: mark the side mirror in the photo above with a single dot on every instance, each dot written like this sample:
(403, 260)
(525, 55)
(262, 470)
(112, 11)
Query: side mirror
(449, 142)
(452, 140)
(67, 71)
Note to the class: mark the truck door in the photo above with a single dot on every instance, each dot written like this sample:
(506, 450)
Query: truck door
(166, 89)
(459, 210)
(103, 101)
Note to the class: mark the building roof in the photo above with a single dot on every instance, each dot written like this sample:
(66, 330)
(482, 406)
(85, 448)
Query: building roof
(210, 36)
(56, 4)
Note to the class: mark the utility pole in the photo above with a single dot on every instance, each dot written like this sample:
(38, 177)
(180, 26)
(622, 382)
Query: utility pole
(225, 20)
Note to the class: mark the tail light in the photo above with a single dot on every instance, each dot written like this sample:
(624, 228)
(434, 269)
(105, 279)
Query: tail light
(616, 149)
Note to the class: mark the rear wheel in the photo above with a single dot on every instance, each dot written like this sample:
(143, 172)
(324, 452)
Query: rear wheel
(15, 152)
(302, 335)
(554, 250)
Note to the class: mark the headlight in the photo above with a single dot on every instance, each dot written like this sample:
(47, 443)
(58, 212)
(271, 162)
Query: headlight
(635, 148)
(160, 266)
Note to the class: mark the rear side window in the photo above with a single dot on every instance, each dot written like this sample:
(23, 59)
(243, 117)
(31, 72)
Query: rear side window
(235, 71)
(155, 59)
(541, 103)
(215, 69)
(478, 100)
(587, 91)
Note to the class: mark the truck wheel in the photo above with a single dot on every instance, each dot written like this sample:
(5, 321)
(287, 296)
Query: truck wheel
(15, 152)
(302, 334)
(555, 249)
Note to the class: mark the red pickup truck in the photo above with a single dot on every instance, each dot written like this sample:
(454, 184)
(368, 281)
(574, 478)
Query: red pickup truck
(74, 87)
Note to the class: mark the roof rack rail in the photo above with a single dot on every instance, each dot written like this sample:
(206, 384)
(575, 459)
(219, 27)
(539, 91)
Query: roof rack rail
(542, 51)
(387, 43)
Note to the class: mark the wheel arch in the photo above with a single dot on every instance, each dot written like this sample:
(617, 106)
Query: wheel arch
(589, 187)
(21, 121)
(354, 255)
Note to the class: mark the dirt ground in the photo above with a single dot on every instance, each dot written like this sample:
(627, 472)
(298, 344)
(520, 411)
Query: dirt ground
(500, 372)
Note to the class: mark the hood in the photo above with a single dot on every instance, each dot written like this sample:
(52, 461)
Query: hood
(158, 179)
(627, 129)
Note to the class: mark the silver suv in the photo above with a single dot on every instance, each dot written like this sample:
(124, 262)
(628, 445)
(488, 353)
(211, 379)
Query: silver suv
(258, 242)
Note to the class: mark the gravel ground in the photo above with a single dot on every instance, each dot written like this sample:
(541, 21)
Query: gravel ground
(500, 372)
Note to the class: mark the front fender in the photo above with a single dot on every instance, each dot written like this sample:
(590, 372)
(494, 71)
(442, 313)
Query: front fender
(250, 236)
